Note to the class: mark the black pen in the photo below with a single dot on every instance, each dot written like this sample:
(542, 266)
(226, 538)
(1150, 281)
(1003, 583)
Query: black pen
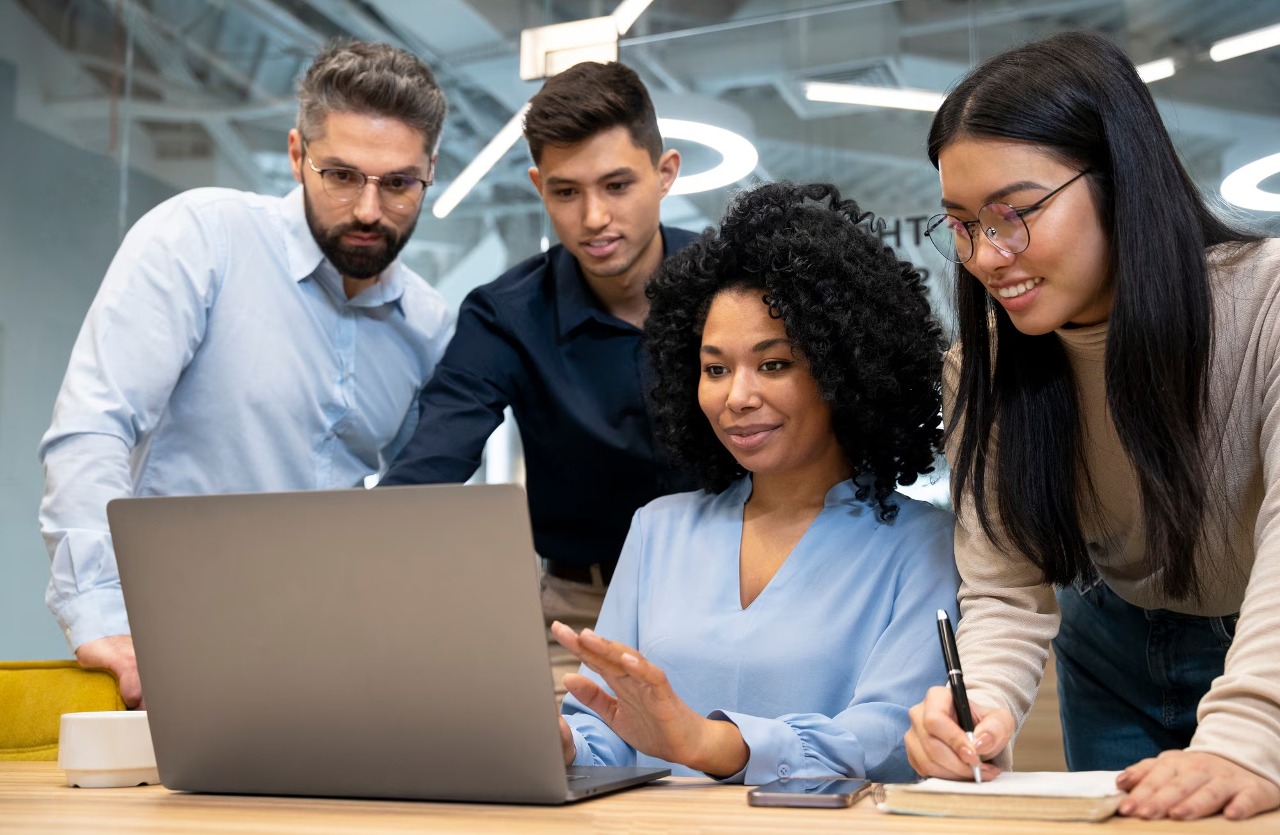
(955, 678)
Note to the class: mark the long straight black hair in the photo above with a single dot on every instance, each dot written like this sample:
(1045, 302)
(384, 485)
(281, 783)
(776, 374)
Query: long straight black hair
(1078, 97)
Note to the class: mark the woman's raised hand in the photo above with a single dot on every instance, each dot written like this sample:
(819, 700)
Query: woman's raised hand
(644, 711)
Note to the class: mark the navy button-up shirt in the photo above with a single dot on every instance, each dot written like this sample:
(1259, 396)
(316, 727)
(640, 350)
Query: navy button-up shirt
(538, 340)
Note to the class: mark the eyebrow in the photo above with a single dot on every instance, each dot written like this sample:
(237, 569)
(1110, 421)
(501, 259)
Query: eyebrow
(624, 171)
(999, 194)
(755, 349)
(339, 162)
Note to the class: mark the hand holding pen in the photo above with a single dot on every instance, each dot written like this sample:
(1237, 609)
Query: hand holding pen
(948, 736)
(955, 680)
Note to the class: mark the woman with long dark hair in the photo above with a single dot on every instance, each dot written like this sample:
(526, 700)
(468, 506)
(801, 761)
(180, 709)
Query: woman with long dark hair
(769, 623)
(1113, 403)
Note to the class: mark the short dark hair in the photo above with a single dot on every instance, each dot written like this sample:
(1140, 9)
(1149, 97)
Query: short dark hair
(859, 316)
(1077, 97)
(350, 76)
(587, 99)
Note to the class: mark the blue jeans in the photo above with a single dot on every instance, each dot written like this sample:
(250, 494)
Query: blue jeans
(1129, 679)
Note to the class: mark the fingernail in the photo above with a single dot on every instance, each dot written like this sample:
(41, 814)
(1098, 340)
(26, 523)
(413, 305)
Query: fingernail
(969, 753)
(586, 631)
(983, 742)
(556, 623)
(628, 658)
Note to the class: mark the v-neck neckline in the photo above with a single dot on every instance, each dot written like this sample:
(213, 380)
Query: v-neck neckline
(788, 566)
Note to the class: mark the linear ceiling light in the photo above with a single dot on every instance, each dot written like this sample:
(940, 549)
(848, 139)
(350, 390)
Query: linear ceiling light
(627, 12)
(1241, 186)
(906, 98)
(740, 156)
(1156, 70)
(478, 167)
(1246, 43)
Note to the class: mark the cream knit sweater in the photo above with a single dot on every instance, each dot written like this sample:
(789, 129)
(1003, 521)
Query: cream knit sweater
(1008, 616)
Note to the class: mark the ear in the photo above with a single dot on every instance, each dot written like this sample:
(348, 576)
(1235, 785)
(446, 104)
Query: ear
(295, 153)
(431, 168)
(535, 177)
(668, 169)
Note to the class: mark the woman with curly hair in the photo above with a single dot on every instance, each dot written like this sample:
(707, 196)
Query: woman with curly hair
(770, 624)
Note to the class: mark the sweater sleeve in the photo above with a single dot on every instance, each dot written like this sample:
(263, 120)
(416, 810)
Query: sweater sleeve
(1008, 614)
(1239, 718)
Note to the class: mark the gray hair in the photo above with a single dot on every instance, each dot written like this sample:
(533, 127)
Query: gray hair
(360, 77)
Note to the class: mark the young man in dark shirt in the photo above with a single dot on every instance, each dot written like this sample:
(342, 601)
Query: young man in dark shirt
(558, 339)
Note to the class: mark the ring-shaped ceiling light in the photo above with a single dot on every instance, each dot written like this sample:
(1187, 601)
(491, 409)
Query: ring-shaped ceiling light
(739, 155)
(1241, 186)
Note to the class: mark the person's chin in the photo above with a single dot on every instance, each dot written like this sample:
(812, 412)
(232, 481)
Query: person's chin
(615, 265)
(362, 268)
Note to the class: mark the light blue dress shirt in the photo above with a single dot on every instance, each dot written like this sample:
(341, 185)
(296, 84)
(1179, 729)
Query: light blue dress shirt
(221, 355)
(819, 671)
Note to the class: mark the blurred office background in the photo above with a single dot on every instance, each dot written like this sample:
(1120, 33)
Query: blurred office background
(108, 107)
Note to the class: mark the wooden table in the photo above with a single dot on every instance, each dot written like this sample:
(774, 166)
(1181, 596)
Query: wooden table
(34, 798)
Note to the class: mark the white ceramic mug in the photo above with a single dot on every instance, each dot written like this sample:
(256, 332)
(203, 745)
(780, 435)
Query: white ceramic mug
(107, 749)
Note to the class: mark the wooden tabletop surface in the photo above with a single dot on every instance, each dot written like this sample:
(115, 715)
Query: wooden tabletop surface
(34, 798)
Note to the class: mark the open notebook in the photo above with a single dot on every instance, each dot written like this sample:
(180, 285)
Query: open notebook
(1035, 795)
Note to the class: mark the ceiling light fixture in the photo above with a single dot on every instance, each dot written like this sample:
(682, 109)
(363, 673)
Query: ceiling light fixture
(1244, 44)
(1241, 186)
(478, 167)
(905, 98)
(740, 156)
(1156, 70)
(627, 12)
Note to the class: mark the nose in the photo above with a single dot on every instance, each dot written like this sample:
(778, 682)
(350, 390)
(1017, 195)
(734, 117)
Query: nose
(367, 207)
(988, 259)
(743, 393)
(596, 214)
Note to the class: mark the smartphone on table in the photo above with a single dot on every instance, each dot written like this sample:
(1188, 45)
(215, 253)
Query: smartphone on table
(818, 792)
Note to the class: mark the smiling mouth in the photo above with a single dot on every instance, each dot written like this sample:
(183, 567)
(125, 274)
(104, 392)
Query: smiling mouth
(597, 247)
(1015, 290)
(751, 439)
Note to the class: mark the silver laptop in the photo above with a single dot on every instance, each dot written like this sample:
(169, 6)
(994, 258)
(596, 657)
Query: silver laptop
(352, 643)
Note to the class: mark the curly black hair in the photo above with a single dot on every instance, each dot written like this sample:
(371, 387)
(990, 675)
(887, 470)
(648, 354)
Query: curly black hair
(859, 316)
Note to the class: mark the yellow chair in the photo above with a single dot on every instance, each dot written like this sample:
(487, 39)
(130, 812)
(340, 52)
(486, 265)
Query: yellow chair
(35, 694)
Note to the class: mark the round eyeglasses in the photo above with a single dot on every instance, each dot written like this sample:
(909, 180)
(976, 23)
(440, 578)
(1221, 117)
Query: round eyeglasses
(1002, 225)
(396, 191)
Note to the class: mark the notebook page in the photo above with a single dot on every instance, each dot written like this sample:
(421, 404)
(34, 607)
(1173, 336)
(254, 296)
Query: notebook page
(1028, 784)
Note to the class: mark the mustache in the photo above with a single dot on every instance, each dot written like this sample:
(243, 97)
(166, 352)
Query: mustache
(364, 229)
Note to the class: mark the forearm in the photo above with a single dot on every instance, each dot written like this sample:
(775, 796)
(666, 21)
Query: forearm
(1239, 718)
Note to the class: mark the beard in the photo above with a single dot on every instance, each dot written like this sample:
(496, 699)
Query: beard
(358, 262)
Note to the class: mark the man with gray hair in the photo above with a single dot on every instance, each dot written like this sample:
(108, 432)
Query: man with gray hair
(243, 343)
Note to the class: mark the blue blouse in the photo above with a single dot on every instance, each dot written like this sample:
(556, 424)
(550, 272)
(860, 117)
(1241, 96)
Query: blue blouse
(819, 671)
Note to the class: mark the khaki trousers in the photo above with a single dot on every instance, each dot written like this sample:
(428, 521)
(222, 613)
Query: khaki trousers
(576, 605)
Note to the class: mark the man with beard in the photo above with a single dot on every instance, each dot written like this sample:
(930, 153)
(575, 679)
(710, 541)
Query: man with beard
(558, 339)
(243, 343)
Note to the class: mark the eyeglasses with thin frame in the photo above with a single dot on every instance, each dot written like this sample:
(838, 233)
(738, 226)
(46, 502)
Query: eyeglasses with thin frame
(396, 191)
(1003, 226)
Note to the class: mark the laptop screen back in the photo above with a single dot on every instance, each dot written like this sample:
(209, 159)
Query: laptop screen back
(367, 643)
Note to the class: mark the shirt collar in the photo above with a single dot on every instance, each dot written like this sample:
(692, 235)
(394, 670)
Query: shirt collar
(307, 261)
(575, 303)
